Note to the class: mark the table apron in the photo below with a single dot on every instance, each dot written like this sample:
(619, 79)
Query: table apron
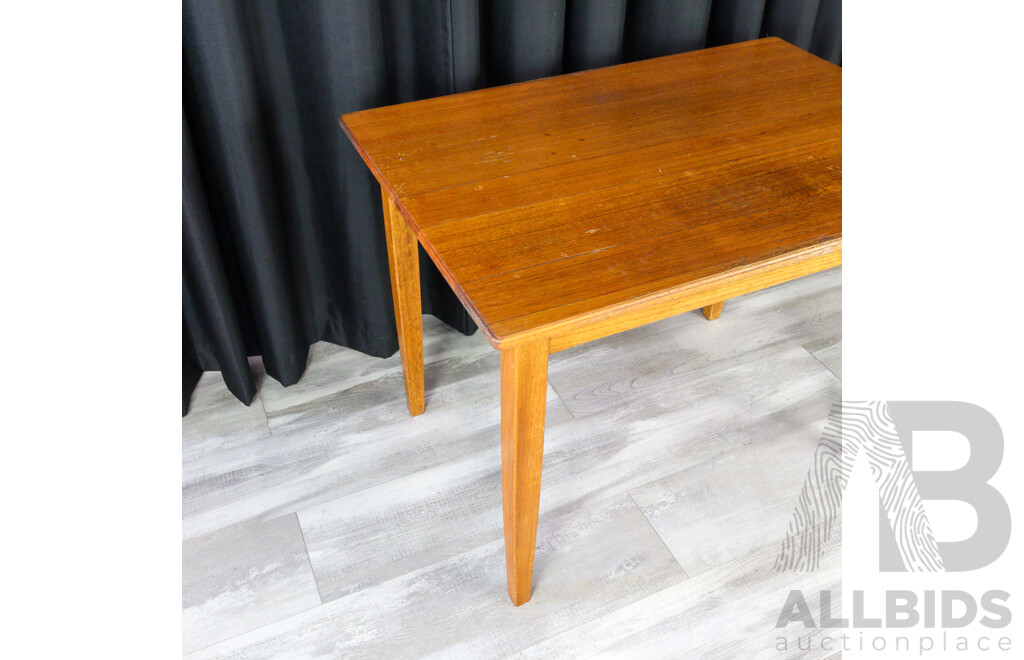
(664, 304)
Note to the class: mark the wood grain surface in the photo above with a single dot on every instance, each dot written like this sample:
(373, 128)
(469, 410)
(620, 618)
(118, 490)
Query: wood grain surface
(640, 190)
(524, 377)
(404, 263)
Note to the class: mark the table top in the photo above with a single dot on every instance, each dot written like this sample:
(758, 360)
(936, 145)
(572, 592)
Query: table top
(554, 202)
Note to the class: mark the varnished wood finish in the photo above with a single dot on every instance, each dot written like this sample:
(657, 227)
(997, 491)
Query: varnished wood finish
(524, 373)
(712, 312)
(547, 202)
(620, 318)
(571, 208)
(404, 262)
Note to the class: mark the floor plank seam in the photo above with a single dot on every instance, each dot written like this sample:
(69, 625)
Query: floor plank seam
(305, 546)
(827, 368)
(686, 576)
(561, 400)
(266, 417)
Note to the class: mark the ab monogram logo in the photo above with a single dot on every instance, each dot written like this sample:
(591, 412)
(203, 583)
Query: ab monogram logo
(882, 431)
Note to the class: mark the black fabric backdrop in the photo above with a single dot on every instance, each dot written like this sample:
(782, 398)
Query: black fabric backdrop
(283, 241)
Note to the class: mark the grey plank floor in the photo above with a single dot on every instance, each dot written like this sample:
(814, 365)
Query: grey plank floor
(322, 521)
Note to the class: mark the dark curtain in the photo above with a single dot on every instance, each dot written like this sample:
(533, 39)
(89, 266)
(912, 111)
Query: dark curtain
(283, 241)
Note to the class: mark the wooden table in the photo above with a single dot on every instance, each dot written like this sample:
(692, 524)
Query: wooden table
(570, 208)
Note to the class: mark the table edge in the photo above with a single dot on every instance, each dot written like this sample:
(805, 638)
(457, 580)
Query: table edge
(627, 314)
(619, 317)
(765, 39)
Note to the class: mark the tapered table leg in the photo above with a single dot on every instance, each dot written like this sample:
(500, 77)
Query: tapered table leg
(524, 371)
(712, 312)
(404, 262)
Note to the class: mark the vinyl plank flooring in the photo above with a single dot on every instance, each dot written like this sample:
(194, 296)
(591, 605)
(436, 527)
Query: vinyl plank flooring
(728, 611)
(402, 515)
(240, 579)
(717, 511)
(595, 559)
(604, 373)
(671, 430)
(336, 442)
(216, 421)
(332, 369)
(370, 536)
(415, 519)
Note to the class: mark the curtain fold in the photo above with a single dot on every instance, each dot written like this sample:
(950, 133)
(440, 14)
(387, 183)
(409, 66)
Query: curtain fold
(282, 239)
